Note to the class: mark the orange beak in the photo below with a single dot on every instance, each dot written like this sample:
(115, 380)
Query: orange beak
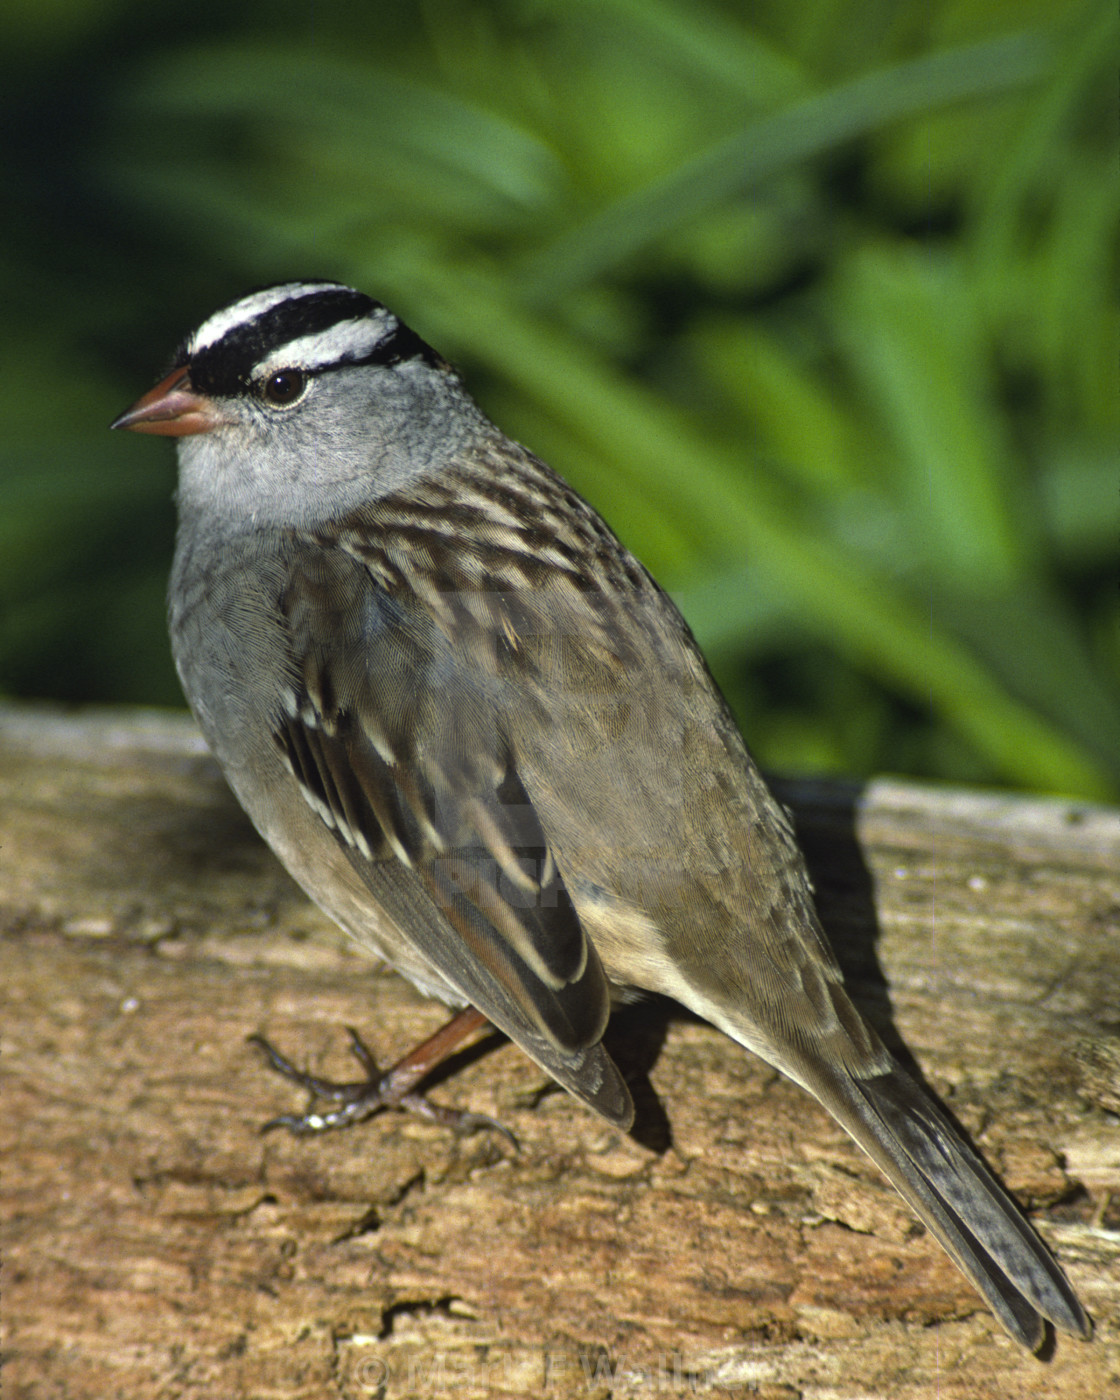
(171, 409)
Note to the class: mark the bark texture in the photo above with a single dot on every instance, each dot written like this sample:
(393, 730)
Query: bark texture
(155, 1244)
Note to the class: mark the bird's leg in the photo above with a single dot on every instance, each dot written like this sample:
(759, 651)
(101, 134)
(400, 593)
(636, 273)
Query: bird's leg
(393, 1088)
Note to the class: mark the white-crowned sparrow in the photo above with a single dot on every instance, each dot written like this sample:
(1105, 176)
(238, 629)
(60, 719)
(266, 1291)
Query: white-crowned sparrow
(485, 742)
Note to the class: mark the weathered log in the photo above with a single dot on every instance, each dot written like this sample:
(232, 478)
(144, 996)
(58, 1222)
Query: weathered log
(156, 1244)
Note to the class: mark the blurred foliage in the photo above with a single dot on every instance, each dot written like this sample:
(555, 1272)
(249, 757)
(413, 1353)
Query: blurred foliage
(816, 302)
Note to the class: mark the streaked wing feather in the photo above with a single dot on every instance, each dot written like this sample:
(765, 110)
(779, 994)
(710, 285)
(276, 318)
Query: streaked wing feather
(407, 764)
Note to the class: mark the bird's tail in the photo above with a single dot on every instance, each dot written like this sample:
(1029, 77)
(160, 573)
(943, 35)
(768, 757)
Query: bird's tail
(951, 1190)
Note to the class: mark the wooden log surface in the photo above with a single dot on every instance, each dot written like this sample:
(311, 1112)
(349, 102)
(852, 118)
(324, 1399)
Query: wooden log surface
(156, 1244)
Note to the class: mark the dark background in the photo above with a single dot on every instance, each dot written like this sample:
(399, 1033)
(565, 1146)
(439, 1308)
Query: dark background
(815, 301)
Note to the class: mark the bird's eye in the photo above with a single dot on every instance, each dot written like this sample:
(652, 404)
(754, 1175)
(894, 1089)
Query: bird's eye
(284, 387)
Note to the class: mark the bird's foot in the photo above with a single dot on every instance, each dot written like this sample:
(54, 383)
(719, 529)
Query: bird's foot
(393, 1088)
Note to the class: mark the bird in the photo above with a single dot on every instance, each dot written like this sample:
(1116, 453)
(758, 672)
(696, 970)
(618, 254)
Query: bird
(485, 742)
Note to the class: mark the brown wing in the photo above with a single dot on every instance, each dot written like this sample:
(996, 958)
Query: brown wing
(399, 748)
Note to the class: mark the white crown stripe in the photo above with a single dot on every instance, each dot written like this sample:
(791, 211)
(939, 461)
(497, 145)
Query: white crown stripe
(348, 340)
(249, 308)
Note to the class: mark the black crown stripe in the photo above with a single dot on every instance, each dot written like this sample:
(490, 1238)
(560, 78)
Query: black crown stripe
(226, 366)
